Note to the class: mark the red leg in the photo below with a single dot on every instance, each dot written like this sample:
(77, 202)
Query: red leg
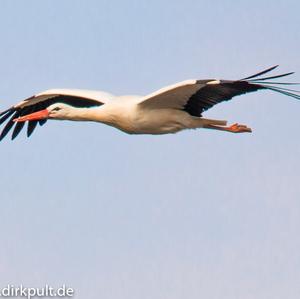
(235, 128)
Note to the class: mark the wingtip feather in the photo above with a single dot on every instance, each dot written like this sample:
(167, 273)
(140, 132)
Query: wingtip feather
(261, 73)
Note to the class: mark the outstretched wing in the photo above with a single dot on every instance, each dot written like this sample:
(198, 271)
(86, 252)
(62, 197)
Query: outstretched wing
(73, 97)
(197, 96)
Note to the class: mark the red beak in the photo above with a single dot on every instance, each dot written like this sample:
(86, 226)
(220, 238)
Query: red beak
(33, 116)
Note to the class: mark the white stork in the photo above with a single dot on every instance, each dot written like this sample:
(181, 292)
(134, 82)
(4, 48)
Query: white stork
(168, 110)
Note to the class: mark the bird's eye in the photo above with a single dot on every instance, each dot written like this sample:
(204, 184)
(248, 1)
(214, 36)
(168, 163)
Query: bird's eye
(56, 109)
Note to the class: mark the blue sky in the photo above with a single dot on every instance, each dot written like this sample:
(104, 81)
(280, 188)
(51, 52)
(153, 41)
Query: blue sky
(199, 214)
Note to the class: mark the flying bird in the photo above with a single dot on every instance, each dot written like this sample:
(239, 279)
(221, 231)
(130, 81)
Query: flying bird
(168, 110)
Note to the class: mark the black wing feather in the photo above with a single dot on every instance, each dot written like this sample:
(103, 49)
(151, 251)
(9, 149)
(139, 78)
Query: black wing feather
(9, 125)
(31, 126)
(260, 73)
(4, 112)
(7, 115)
(18, 127)
(212, 94)
(78, 102)
(42, 122)
(272, 77)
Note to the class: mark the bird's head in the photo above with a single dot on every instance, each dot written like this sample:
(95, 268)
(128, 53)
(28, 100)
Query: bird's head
(59, 111)
(54, 111)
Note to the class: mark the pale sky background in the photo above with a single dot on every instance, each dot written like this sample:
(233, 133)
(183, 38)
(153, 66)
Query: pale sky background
(199, 214)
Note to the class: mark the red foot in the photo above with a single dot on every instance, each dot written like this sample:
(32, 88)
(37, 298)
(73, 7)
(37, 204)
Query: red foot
(236, 128)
